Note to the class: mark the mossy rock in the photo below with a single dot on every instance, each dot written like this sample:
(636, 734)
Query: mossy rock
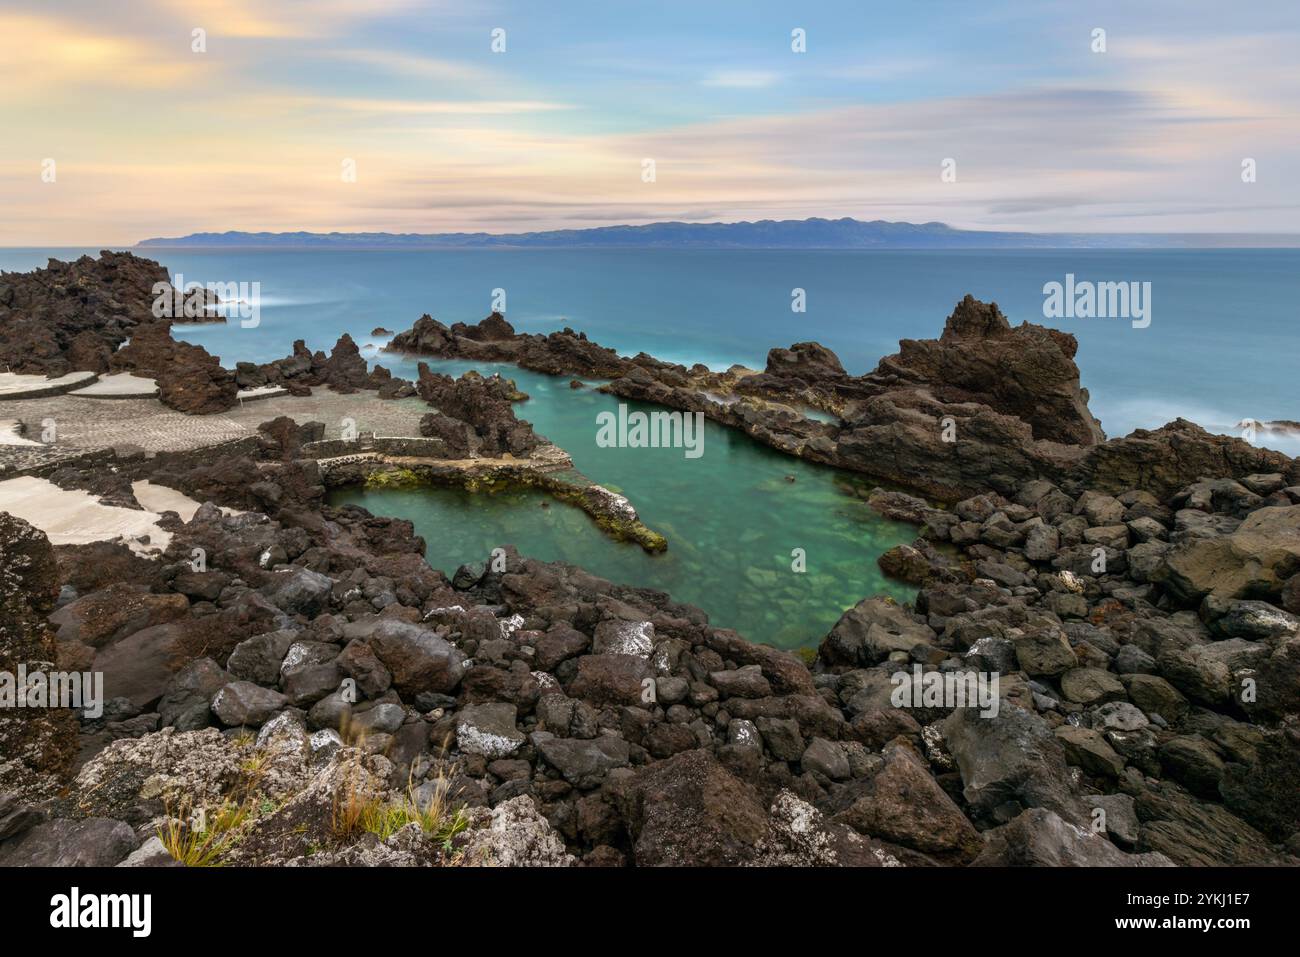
(394, 478)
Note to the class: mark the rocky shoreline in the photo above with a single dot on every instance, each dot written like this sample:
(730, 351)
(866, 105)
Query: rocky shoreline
(985, 407)
(300, 675)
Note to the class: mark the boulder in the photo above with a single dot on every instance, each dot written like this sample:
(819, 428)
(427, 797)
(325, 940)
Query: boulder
(92, 842)
(417, 659)
(186, 701)
(1091, 686)
(903, 804)
(610, 680)
(513, 834)
(244, 703)
(826, 758)
(1012, 759)
(584, 763)
(1253, 561)
(1039, 838)
(1087, 749)
(1045, 652)
(258, 659)
(301, 592)
(869, 631)
(744, 682)
(690, 811)
(785, 672)
(1193, 762)
(489, 730)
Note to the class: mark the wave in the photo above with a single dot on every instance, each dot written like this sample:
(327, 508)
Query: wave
(1121, 418)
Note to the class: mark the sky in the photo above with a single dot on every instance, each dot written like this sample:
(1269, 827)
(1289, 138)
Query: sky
(118, 124)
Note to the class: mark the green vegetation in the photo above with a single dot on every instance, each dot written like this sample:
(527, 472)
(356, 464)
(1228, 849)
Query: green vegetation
(198, 839)
(390, 477)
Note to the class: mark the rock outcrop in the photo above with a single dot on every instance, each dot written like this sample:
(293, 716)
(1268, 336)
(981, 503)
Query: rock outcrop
(495, 340)
(190, 379)
(1163, 461)
(73, 316)
(37, 741)
(565, 719)
(984, 406)
(1101, 665)
(474, 415)
(343, 370)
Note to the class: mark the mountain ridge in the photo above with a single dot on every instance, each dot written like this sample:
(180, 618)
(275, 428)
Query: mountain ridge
(812, 233)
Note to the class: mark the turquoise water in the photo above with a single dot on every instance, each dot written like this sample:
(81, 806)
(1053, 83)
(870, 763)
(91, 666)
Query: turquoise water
(1222, 346)
(732, 516)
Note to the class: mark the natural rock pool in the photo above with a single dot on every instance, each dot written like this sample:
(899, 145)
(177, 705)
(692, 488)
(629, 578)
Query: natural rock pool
(732, 516)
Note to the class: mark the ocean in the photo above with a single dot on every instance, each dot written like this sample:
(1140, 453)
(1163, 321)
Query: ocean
(1222, 346)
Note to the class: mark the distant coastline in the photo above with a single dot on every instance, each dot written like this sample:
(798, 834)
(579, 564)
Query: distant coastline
(764, 234)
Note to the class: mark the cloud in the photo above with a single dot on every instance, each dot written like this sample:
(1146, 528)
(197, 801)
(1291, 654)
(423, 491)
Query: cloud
(42, 56)
(372, 106)
(409, 65)
(1149, 136)
(283, 19)
(741, 79)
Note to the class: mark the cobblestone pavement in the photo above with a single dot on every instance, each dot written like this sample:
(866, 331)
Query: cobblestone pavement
(78, 424)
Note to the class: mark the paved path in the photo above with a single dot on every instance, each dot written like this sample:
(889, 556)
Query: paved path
(87, 423)
(120, 386)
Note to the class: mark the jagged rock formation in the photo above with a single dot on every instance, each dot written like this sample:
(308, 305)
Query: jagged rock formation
(984, 406)
(495, 340)
(76, 316)
(1137, 600)
(343, 370)
(37, 744)
(578, 721)
(189, 379)
(475, 416)
(1164, 460)
(72, 316)
(1027, 372)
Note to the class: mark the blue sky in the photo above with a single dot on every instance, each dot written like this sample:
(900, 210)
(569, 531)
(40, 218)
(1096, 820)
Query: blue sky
(150, 137)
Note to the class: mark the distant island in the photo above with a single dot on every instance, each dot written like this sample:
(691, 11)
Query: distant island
(813, 233)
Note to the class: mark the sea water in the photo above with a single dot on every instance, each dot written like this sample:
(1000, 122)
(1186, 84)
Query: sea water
(1222, 346)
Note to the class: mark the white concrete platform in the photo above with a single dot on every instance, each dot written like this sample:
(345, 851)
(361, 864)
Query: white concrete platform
(160, 498)
(74, 517)
(262, 392)
(120, 386)
(15, 386)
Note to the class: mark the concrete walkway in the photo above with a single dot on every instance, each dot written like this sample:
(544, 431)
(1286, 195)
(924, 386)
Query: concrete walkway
(121, 386)
(262, 392)
(15, 386)
(87, 423)
(160, 498)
